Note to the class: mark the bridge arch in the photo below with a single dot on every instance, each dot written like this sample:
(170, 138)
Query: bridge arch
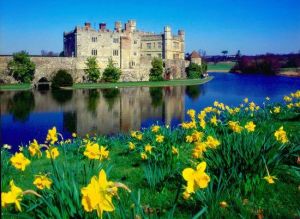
(43, 84)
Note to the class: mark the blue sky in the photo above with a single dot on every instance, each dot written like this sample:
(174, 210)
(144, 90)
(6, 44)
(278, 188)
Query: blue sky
(254, 27)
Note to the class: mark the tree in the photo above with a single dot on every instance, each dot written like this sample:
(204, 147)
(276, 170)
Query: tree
(194, 71)
(92, 69)
(224, 52)
(157, 70)
(62, 79)
(21, 67)
(111, 73)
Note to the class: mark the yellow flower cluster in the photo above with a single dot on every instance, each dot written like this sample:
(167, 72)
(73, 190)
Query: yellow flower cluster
(52, 153)
(195, 136)
(235, 127)
(281, 136)
(155, 128)
(201, 147)
(159, 138)
(131, 146)
(195, 178)
(137, 135)
(94, 152)
(188, 125)
(19, 161)
(35, 149)
(250, 126)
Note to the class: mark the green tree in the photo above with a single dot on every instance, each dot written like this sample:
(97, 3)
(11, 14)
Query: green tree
(62, 79)
(21, 67)
(92, 69)
(194, 71)
(111, 73)
(157, 70)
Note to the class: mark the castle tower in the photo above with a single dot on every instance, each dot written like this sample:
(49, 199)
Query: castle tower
(118, 26)
(181, 35)
(130, 26)
(167, 43)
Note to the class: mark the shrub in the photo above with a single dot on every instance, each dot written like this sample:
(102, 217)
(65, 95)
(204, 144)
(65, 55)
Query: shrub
(194, 71)
(21, 67)
(111, 73)
(157, 70)
(62, 79)
(92, 69)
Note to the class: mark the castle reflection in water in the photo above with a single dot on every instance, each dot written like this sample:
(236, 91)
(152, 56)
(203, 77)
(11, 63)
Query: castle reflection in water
(100, 111)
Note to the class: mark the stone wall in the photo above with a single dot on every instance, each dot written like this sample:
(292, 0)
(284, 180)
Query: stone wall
(46, 67)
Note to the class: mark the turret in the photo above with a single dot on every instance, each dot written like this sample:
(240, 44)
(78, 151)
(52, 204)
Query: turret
(118, 26)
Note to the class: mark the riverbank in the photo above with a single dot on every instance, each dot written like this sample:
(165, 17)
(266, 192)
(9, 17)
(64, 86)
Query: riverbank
(180, 82)
(20, 87)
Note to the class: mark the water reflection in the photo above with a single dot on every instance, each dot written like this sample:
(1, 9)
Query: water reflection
(100, 111)
(194, 91)
(21, 104)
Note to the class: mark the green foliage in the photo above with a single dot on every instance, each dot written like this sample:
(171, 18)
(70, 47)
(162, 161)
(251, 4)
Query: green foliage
(62, 96)
(156, 94)
(62, 79)
(111, 73)
(157, 70)
(194, 71)
(92, 69)
(21, 67)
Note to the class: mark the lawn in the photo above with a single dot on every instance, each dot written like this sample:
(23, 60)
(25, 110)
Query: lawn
(220, 66)
(178, 82)
(240, 162)
(15, 86)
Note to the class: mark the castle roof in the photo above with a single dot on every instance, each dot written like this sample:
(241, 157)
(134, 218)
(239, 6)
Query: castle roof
(195, 55)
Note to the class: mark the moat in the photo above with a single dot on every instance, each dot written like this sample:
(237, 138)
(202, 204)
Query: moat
(26, 115)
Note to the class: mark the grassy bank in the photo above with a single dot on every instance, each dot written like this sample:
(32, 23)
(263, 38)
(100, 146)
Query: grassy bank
(15, 87)
(222, 163)
(179, 82)
(220, 66)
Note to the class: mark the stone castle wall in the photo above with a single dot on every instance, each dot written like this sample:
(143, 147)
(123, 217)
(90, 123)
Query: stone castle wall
(46, 67)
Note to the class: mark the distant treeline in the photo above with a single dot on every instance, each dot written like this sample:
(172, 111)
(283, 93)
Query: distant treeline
(267, 64)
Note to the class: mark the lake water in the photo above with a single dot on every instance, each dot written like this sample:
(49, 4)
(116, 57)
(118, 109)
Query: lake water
(26, 115)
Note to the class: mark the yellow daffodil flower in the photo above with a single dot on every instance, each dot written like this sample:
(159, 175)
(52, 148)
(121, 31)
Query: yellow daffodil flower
(148, 148)
(159, 138)
(175, 150)
(214, 120)
(42, 182)
(52, 135)
(131, 146)
(196, 178)
(144, 156)
(52, 153)
(155, 128)
(250, 126)
(34, 148)
(14, 196)
(19, 161)
(270, 179)
(281, 136)
(212, 142)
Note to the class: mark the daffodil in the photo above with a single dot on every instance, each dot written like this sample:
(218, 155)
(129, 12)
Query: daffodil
(189, 138)
(159, 138)
(139, 136)
(196, 178)
(74, 135)
(131, 146)
(103, 153)
(175, 150)
(19, 161)
(52, 153)
(144, 156)
(98, 194)
(214, 121)
(246, 100)
(52, 135)
(197, 136)
(155, 128)
(202, 123)
(250, 126)
(34, 148)
(42, 182)
(191, 113)
(235, 127)
(148, 148)
(287, 99)
(6, 146)
(212, 142)
(270, 179)
(92, 151)
(200, 148)
(223, 204)
(276, 109)
(281, 136)
(14, 196)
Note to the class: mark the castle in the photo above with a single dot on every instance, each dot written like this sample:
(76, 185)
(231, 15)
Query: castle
(127, 47)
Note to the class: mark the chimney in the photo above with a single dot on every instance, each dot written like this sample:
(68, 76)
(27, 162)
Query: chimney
(102, 26)
(87, 25)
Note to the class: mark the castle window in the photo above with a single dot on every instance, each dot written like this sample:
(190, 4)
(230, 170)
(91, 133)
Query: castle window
(149, 55)
(175, 56)
(176, 45)
(135, 42)
(159, 45)
(148, 45)
(94, 52)
(94, 39)
(115, 52)
(159, 55)
(116, 40)
(134, 53)
(132, 64)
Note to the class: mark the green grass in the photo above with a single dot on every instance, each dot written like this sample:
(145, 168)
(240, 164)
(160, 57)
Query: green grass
(179, 82)
(15, 87)
(220, 66)
(290, 69)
